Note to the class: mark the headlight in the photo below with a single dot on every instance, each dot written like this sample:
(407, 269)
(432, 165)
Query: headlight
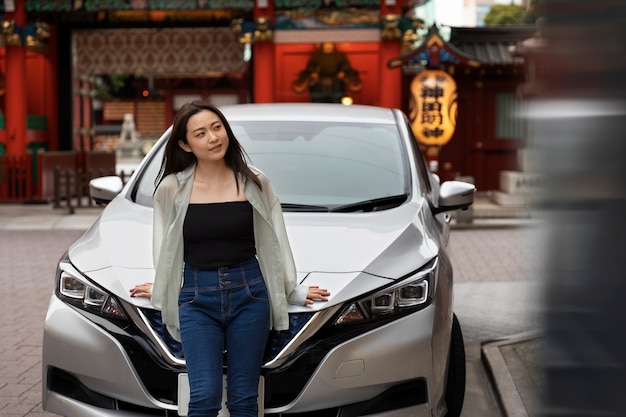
(76, 290)
(406, 295)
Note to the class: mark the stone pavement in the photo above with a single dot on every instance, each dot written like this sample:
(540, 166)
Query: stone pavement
(498, 311)
(500, 306)
(45, 217)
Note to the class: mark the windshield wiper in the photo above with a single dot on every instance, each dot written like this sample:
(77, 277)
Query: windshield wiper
(371, 205)
(303, 207)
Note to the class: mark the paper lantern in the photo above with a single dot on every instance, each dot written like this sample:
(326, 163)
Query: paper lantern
(433, 107)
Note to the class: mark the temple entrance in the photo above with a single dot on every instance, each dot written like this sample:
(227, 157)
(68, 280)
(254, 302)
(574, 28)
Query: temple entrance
(156, 71)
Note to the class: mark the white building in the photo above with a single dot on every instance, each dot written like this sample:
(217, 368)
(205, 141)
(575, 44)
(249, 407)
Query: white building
(474, 11)
(467, 13)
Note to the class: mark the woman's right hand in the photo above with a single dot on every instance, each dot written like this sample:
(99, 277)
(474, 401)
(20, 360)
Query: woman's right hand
(142, 290)
(316, 293)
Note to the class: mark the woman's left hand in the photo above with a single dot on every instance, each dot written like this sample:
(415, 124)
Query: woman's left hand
(142, 290)
(316, 294)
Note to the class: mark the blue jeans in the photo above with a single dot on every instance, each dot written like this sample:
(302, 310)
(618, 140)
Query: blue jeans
(224, 308)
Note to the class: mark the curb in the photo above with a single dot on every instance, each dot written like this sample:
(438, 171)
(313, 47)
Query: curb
(504, 386)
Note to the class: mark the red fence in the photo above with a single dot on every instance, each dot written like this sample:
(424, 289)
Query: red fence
(28, 178)
(16, 178)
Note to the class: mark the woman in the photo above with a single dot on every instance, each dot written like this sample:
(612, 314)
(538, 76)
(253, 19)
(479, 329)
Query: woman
(218, 221)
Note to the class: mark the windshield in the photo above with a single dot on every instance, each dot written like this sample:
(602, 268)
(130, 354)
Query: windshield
(317, 166)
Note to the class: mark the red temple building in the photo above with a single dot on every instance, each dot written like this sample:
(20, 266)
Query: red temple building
(55, 54)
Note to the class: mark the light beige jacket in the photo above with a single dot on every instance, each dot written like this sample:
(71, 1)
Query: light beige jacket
(171, 199)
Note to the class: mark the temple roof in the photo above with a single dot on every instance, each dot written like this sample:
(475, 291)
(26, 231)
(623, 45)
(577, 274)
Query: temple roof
(109, 5)
(433, 52)
(491, 45)
(468, 46)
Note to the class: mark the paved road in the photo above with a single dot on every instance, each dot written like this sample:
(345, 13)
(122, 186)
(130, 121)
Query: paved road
(497, 294)
(29, 263)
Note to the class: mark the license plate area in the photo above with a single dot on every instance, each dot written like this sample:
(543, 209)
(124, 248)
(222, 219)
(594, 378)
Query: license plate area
(183, 396)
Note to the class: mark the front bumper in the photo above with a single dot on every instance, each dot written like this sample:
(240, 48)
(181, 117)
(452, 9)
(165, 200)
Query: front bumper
(83, 361)
(88, 371)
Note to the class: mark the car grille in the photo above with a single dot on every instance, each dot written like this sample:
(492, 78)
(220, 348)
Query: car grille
(276, 342)
(165, 391)
(279, 339)
(156, 322)
(282, 384)
(400, 396)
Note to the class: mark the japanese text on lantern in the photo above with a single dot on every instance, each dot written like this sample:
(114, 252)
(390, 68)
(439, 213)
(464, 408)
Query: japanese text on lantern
(433, 107)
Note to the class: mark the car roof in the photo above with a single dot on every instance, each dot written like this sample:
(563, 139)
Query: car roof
(314, 112)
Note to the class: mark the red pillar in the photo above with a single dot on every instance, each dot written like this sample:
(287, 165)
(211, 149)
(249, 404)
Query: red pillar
(263, 60)
(15, 96)
(390, 79)
(263, 53)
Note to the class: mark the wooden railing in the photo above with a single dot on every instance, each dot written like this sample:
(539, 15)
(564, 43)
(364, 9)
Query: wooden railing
(50, 176)
(16, 178)
(71, 187)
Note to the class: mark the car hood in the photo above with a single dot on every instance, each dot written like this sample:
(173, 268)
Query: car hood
(330, 249)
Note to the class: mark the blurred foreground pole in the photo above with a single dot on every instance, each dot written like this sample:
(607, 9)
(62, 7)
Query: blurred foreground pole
(579, 126)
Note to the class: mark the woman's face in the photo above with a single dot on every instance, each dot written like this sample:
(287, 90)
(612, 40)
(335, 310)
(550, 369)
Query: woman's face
(206, 137)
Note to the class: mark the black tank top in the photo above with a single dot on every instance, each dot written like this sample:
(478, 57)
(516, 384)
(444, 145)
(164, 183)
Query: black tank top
(218, 234)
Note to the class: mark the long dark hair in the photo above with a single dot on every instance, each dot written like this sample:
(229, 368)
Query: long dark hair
(175, 159)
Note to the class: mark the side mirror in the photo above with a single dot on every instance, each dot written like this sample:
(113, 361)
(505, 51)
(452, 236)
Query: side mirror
(104, 189)
(455, 195)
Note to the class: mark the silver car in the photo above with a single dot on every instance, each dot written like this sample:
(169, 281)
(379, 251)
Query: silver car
(365, 219)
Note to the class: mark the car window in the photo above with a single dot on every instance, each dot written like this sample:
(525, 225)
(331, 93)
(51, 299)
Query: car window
(144, 187)
(316, 163)
(327, 165)
(420, 160)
